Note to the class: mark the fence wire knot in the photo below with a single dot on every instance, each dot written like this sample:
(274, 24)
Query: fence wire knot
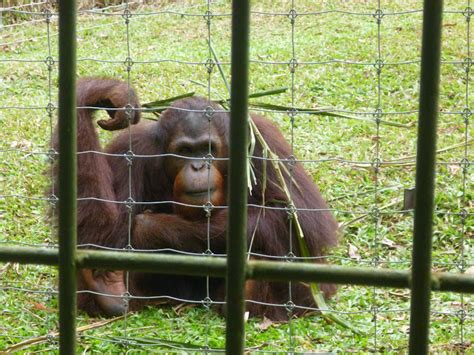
(49, 244)
(50, 108)
(466, 113)
(375, 260)
(291, 161)
(53, 200)
(467, 64)
(47, 15)
(49, 62)
(462, 265)
(208, 207)
(292, 15)
(209, 158)
(376, 164)
(208, 17)
(293, 64)
(208, 252)
(290, 306)
(209, 65)
(379, 64)
(378, 115)
(292, 113)
(290, 257)
(209, 113)
(462, 315)
(125, 343)
(468, 13)
(126, 296)
(128, 111)
(291, 210)
(129, 203)
(375, 212)
(128, 62)
(52, 154)
(378, 15)
(465, 163)
(50, 338)
(127, 15)
(207, 302)
(129, 157)
(374, 310)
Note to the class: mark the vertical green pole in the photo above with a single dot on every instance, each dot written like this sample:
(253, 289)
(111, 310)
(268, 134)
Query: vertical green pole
(425, 177)
(67, 176)
(237, 231)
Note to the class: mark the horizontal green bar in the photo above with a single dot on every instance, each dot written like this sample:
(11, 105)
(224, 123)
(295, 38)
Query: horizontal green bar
(308, 272)
(256, 269)
(152, 262)
(29, 255)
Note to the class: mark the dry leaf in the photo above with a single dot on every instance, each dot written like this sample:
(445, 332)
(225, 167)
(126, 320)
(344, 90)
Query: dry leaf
(265, 324)
(454, 169)
(41, 307)
(182, 307)
(389, 243)
(5, 268)
(22, 144)
(354, 252)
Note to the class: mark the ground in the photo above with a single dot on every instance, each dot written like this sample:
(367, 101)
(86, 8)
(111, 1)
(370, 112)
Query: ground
(346, 63)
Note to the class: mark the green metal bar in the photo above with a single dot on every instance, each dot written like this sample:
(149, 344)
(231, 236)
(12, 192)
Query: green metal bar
(308, 272)
(256, 269)
(29, 255)
(425, 175)
(449, 282)
(151, 262)
(237, 233)
(67, 205)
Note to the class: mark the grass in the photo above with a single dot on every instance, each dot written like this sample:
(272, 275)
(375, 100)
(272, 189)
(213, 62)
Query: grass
(29, 308)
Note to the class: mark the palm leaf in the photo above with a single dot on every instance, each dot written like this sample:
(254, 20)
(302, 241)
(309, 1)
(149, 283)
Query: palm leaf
(166, 102)
(315, 291)
(324, 112)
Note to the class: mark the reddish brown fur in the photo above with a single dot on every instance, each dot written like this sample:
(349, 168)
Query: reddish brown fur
(107, 178)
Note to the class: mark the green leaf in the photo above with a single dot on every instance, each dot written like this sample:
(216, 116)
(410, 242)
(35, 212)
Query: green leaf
(161, 342)
(168, 101)
(324, 112)
(315, 291)
(219, 66)
(268, 92)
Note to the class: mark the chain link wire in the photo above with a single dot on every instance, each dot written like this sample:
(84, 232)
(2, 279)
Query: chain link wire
(379, 64)
(127, 17)
(464, 163)
(209, 114)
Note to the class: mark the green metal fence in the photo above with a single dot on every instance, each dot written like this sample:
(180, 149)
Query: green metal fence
(235, 268)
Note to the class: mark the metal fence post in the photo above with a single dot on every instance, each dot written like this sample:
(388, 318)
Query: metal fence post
(67, 176)
(425, 173)
(237, 231)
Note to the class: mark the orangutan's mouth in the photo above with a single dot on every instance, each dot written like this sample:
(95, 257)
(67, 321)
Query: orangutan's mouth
(200, 193)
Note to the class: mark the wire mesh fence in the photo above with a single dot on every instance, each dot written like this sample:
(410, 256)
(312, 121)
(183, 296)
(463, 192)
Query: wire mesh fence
(358, 60)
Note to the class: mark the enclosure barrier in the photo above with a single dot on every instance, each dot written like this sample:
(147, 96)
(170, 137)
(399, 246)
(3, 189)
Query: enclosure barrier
(421, 280)
(238, 166)
(67, 123)
(425, 171)
(254, 269)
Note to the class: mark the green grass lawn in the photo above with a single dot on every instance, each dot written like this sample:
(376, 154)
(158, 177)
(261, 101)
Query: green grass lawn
(336, 52)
